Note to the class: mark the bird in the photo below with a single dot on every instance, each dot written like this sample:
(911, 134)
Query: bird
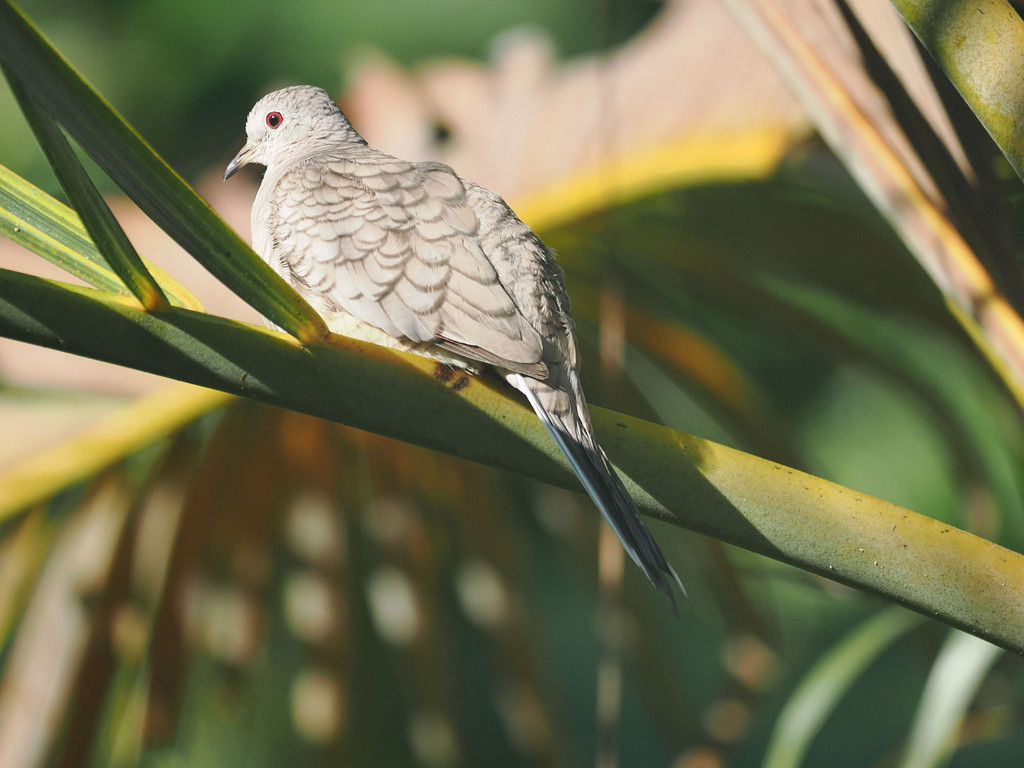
(410, 256)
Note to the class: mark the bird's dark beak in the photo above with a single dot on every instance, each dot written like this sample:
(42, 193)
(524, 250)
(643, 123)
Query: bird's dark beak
(243, 157)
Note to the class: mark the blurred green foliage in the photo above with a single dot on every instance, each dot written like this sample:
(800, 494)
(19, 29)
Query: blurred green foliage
(184, 72)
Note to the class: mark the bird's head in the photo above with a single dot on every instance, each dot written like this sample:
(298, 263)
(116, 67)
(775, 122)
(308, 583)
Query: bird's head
(289, 123)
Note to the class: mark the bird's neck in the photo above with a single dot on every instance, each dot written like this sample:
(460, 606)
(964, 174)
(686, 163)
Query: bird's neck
(335, 144)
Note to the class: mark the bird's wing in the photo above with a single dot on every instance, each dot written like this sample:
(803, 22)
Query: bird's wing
(396, 245)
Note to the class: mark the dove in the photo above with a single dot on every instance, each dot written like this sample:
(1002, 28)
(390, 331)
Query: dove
(408, 255)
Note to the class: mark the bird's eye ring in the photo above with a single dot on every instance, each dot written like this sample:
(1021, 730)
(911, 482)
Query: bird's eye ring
(274, 119)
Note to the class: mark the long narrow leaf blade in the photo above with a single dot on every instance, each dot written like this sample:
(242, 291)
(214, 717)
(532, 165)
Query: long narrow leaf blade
(50, 229)
(817, 696)
(934, 568)
(33, 219)
(148, 180)
(961, 667)
(106, 233)
(979, 44)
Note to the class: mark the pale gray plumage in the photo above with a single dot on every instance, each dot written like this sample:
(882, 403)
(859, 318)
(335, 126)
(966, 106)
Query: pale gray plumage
(409, 255)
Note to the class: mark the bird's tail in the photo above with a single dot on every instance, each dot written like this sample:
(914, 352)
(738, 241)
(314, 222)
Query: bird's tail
(569, 424)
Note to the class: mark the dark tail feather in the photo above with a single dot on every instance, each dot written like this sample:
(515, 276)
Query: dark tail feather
(604, 486)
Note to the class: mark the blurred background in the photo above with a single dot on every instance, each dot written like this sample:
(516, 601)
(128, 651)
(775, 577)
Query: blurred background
(261, 588)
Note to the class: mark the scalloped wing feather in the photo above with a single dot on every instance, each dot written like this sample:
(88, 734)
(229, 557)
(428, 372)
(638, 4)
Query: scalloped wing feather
(397, 245)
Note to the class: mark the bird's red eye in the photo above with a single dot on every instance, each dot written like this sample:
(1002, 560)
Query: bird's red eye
(274, 119)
